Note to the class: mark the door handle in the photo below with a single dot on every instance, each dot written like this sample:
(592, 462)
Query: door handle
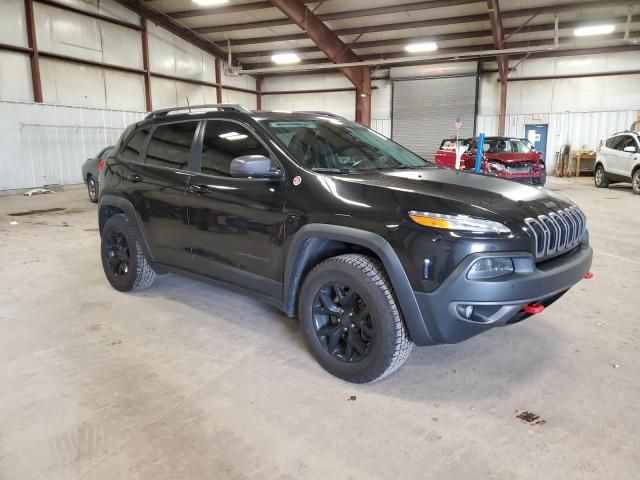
(135, 178)
(198, 189)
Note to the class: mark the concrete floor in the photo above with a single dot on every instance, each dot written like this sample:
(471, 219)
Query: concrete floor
(187, 381)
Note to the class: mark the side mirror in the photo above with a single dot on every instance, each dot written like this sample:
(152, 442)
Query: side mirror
(630, 149)
(257, 166)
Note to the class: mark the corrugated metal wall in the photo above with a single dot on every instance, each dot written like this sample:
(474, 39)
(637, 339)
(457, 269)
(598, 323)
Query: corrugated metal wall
(580, 130)
(44, 144)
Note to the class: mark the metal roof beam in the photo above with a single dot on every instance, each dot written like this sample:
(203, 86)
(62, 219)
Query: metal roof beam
(335, 49)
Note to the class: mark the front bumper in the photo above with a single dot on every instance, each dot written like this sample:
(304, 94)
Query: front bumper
(500, 301)
(534, 178)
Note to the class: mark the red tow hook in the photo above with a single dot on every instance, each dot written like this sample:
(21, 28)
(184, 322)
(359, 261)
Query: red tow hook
(533, 308)
(588, 276)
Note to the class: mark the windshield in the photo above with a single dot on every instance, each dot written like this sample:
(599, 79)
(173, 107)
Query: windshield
(328, 144)
(503, 145)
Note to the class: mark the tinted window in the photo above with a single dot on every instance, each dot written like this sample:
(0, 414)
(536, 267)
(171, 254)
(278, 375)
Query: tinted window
(630, 142)
(134, 146)
(616, 142)
(224, 141)
(170, 145)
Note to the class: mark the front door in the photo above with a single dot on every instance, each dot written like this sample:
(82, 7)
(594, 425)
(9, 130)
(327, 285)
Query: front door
(236, 224)
(537, 134)
(156, 187)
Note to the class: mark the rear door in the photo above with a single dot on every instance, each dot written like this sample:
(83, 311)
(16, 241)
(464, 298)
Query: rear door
(629, 159)
(236, 225)
(155, 182)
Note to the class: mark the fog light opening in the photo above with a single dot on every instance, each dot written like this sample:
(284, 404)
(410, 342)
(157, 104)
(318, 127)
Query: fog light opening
(465, 311)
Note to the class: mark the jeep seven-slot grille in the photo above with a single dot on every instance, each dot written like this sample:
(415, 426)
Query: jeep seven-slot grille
(557, 231)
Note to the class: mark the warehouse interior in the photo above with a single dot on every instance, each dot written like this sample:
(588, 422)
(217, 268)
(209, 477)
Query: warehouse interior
(189, 380)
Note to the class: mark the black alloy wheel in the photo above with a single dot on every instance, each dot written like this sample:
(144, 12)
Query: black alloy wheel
(343, 322)
(118, 254)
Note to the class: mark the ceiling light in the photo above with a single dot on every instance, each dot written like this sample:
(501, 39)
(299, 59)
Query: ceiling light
(208, 3)
(593, 30)
(421, 47)
(283, 58)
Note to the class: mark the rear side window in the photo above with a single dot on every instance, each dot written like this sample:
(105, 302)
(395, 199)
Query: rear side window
(224, 141)
(134, 146)
(170, 145)
(616, 142)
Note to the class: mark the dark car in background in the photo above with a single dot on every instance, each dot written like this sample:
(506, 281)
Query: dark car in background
(91, 169)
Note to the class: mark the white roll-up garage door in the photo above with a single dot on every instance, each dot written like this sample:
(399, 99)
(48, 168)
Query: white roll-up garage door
(425, 111)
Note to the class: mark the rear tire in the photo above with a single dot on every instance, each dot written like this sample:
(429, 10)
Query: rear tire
(635, 181)
(123, 261)
(600, 177)
(92, 189)
(351, 321)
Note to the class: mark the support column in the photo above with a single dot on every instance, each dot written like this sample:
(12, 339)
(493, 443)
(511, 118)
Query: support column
(145, 64)
(33, 55)
(218, 82)
(258, 94)
(363, 99)
(503, 107)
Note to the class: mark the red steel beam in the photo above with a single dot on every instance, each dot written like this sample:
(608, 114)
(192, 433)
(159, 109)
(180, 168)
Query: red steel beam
(258, 93)
(218, 81)
(145, 64)
(336, 50)
(33, 55)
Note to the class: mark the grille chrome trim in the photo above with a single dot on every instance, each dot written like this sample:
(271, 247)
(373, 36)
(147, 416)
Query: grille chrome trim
(557, 231)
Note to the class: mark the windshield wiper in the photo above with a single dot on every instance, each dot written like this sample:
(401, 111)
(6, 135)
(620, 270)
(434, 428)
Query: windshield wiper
(331, 170)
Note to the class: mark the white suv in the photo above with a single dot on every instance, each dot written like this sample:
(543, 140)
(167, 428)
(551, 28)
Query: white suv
(618, 160)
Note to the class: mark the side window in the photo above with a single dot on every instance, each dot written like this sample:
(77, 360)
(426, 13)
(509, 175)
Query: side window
(616, 142)
(170, 145)
(630, 142)
(224, 141)
(134, 146)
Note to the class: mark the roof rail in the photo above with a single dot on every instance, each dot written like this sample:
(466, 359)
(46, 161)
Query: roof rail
(225, 107)
(318, 112)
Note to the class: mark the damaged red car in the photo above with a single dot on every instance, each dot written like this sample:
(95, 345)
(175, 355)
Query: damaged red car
(503, 157)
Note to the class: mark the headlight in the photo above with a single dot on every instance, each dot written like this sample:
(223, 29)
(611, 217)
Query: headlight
(496, 166)
(457, 222)
(491, 267)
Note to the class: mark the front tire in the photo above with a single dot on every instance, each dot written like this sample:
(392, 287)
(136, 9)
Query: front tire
(351, 321)
(600, 177)
(92, 189)
(635, 181)
(123, 261)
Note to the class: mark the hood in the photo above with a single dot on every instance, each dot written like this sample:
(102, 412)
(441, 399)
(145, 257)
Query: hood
(442, 190)
(508, 157)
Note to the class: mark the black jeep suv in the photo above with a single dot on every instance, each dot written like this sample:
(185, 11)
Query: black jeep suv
(370, 246)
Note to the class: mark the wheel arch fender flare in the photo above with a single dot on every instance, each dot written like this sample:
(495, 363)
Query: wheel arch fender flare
(300, 255)
(105, 210)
